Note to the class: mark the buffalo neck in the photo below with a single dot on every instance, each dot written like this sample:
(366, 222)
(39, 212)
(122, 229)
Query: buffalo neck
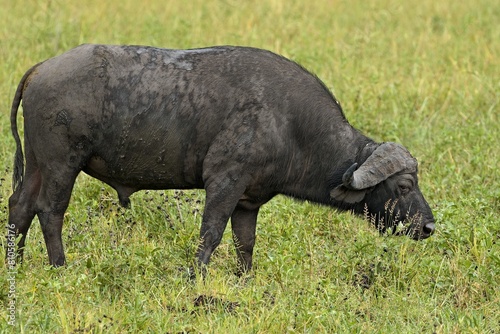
(317, 164)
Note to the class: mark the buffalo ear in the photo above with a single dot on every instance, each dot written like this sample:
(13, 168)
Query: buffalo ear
(346, 195)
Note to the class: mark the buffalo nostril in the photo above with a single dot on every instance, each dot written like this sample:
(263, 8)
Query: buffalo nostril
(429, 228)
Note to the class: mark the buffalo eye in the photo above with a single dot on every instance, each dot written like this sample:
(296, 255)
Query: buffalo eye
(405, 184)
(404, 189)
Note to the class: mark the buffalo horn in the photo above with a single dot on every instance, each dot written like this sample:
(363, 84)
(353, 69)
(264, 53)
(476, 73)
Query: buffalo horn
(387, 160)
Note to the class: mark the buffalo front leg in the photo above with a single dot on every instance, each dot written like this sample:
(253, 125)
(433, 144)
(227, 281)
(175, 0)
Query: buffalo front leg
(243, 224)
(222, 197)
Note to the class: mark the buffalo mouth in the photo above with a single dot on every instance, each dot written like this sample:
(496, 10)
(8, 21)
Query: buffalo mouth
(417, 226)
(419, 231)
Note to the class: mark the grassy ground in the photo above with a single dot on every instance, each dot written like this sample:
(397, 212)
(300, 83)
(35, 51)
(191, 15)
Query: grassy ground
(423, 73)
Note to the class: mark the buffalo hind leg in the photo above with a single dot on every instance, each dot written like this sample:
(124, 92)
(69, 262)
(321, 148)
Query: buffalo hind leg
(52, 203)
(243, 224)
(21, 213)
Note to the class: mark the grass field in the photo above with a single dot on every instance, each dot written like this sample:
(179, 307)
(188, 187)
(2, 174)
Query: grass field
(423, 73)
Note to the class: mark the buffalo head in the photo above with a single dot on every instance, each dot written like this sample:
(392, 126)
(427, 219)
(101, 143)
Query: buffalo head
(385, 188)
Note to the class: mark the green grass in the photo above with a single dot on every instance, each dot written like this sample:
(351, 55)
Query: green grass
(423, 73)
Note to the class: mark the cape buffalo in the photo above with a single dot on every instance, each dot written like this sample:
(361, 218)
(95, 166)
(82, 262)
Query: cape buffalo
(242, 123)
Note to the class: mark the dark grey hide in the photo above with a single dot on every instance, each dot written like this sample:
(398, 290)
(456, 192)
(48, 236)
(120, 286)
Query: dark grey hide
(243, 124)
